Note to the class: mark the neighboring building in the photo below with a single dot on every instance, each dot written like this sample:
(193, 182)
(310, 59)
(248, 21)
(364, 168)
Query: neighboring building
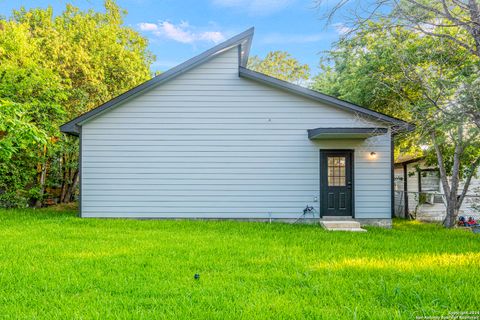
(212, 139)
(423, 198)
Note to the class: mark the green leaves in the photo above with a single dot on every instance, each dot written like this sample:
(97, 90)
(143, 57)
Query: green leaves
(19, 144)
(20, 134)
(401, 73)
(53, 68)
(280, 65)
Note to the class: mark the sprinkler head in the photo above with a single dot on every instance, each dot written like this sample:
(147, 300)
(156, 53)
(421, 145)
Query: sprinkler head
(196, 276)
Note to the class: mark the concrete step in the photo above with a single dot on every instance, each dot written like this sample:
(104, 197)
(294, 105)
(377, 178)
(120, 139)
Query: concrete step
(342, 225)
(337, 218)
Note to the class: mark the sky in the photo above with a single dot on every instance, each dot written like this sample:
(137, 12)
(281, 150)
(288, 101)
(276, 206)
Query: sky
(178, 30)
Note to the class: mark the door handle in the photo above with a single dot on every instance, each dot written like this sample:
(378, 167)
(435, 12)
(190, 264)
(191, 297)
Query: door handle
(349, 185)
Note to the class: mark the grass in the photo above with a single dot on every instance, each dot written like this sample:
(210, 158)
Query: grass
(56, 266)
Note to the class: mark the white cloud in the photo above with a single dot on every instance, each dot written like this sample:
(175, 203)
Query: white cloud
(178, 33)
(341, 28)
(182, 32)
(255, 7)
(214, 36)
(145, 26)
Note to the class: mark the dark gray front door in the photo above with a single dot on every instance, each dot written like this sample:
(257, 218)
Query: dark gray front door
(336, 182)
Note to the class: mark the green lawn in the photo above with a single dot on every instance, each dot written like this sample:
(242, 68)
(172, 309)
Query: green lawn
(55, 265)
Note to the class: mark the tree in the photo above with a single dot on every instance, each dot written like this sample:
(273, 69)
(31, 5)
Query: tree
(280, 65)
(53, 68)
(422, 79)
(19, 139)
(434, 18)
(30, 101)
(455, 21)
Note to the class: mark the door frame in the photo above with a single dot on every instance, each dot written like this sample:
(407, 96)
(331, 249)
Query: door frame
(351, 152)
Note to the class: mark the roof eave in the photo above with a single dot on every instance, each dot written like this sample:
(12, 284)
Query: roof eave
(413, 160)
(71, 129)
(408, 127)
(345, 133)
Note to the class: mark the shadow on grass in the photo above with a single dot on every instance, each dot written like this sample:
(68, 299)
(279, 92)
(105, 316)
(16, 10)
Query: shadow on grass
(53, 212)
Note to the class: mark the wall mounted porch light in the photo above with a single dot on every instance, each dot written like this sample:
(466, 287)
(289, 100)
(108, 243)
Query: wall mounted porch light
(373, 155)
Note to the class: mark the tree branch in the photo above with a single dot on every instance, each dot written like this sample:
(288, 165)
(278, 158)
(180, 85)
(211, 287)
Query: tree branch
(446, 36)
(444, 14)
(456, 161)
(441, 164)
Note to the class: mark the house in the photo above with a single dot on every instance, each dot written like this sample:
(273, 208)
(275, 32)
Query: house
(419, 192)
(213, 139)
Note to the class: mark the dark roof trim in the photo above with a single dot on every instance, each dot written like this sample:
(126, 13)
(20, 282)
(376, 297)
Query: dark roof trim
(315, 95)
(243, 40)
(315, 133)
(410, 160)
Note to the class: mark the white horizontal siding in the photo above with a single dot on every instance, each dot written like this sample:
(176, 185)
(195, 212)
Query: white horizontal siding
(437, 211)
(210, 144)
(470, 204)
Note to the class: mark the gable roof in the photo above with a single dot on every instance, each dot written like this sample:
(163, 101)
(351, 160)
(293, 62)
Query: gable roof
(243, 41)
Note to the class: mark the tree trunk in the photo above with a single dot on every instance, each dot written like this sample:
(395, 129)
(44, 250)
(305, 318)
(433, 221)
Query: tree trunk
(453, 201)
(64, 188)
(475, 17)
(63, 170)
(452, 212)
(76, 179)
(71, 187)
(43, 175)
(65, 184)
